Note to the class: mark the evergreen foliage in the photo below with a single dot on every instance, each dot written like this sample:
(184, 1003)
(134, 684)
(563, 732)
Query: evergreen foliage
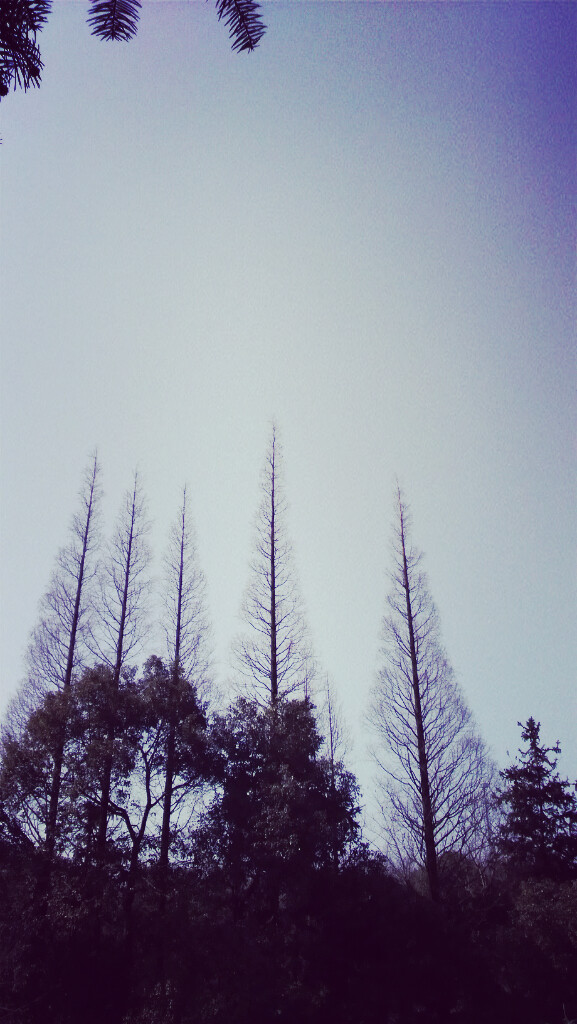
(538, 836)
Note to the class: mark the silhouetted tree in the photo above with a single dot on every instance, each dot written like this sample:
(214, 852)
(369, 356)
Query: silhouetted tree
(121, 615)
(57, 650)
(274, 656)
(436, 771)
(538, 835)
(282, 811)
(29, 759)
(108, 725)
(186, 627)
(334, 746)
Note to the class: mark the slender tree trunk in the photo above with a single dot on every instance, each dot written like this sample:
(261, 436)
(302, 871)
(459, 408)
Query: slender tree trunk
(274, 658)
(59, 752)
(109, 754)
(334, 835)
(428, 821)
(273, 636)
(169, 777)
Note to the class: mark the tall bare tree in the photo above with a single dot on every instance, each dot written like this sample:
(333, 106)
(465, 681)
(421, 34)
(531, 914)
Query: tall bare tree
(58, 644)
(436, 773)
(274, 655)
(187, 630)
(121, 616)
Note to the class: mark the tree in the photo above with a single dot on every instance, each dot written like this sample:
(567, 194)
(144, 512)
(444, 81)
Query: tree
(21, 20)
(282, 810)
(107, 720)
(538, 836)
(335, 743)
(121, 614)
(436, 770)
(28, 768)
(58, 648)
(275, 656)
(58, 645)
(186, 629)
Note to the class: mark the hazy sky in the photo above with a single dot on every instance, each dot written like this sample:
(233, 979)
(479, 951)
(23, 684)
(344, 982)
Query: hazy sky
(367, 230)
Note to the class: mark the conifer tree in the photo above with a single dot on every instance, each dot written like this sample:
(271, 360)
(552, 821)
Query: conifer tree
(538, 836)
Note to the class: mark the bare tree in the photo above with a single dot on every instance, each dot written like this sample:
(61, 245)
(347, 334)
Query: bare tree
(58, 644)
(274, 657)
(121, 616)
(336, 741)
(187, 630)
(436, 772)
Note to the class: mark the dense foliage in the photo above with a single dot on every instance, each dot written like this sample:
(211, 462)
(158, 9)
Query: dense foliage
(538, 835)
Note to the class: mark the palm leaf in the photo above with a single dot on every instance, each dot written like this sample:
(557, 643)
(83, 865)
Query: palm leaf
(244, 22)
(114, 19)
(20, 61)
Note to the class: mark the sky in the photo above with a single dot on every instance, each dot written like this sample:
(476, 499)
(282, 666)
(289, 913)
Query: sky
(366, 231)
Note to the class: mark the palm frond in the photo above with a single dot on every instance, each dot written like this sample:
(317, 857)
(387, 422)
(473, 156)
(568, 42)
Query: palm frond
(114, 19)
(20, 61)
(244, 23)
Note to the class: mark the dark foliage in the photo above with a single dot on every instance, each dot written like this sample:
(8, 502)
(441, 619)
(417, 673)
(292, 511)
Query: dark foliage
(361, 949)
(20, 63)
(538, 836)
(244, 22)
(273, 909)
(114, 19)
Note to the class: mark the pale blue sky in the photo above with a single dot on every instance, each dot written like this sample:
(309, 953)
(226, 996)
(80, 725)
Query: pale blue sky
(366, 229)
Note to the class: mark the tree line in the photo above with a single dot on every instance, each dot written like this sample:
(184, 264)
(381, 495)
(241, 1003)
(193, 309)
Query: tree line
(165, 859)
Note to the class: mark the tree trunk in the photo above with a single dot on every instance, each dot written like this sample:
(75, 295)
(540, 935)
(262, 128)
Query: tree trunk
(109, 755)
(273, 638)
(428, 821)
